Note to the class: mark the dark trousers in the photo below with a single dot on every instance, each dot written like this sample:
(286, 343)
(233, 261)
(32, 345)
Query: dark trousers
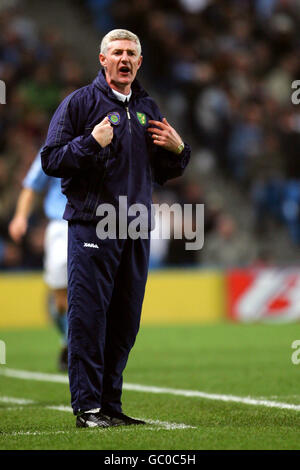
(106, 285)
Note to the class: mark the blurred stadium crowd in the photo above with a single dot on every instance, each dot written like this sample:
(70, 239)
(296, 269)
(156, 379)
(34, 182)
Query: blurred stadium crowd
(223, 72)
(39, 71)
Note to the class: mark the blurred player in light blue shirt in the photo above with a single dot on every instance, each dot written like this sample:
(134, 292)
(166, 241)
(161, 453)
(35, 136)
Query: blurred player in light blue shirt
(55, 201)
(55, 245)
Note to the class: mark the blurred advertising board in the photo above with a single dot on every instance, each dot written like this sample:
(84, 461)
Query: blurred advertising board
(263, 295)
(172, 297)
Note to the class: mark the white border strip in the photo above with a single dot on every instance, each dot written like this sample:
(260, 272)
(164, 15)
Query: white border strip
(40, 376)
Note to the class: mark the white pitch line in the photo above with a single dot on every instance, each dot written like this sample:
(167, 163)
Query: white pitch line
(40, 376)
(213, 396)
(60, 408)
(167, 425)
(86, 430)
(13, 408)
(16, 401)
(34, 433)
(158, 424)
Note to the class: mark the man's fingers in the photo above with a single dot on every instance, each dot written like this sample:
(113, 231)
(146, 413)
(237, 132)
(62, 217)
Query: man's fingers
(155, 130)
(104, 121)
(158, 142)
(106, 125)
(160, 124)
(103, 132)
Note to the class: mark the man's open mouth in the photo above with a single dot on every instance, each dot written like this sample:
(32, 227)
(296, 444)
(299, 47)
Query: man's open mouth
(124, 69)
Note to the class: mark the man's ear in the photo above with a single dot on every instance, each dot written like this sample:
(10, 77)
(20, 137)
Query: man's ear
(102, 60)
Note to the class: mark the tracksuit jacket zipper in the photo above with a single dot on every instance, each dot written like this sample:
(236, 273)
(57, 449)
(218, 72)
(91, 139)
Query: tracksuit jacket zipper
(129, 118)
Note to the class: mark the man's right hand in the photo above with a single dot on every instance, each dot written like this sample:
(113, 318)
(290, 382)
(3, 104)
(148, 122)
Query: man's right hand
(103, 132)
(17, 228)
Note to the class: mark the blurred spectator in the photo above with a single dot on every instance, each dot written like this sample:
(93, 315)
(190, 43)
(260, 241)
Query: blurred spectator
(245, 141)
(228, 246)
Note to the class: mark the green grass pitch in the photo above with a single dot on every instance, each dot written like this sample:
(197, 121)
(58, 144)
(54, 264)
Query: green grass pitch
(242, 360)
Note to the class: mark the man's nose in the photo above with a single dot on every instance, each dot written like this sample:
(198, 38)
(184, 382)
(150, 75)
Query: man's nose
(125, 57)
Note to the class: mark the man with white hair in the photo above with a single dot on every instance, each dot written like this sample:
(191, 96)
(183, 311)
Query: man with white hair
(100, 144)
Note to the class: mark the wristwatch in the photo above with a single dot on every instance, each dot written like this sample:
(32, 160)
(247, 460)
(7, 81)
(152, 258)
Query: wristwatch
(180, 148)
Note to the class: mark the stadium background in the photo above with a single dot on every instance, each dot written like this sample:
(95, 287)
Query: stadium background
(221, 71)
(222, 74)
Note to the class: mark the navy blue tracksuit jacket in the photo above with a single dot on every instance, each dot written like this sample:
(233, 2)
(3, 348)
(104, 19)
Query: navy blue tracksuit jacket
(106, 278)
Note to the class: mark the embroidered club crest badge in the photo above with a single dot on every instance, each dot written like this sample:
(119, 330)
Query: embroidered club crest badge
(114, 118)
(142, 118)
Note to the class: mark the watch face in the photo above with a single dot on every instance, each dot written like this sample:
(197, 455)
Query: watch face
(180, 147)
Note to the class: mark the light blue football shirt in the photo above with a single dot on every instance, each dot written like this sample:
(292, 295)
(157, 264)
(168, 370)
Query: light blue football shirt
(55, 201)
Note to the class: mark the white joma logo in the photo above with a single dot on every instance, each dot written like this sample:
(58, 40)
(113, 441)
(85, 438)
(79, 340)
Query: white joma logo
(90, 245)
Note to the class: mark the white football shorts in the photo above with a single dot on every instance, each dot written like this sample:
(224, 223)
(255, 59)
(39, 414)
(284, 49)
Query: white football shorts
(56, 254)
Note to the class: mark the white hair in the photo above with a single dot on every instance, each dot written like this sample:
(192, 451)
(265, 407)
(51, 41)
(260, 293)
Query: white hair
(117, 34)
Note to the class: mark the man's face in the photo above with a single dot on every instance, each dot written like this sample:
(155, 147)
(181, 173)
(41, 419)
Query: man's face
(121, 63)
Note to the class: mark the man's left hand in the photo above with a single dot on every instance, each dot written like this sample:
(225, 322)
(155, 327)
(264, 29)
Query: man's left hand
(165, 135)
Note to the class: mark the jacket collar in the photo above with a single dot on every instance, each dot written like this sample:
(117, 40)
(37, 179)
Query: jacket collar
(101, 83)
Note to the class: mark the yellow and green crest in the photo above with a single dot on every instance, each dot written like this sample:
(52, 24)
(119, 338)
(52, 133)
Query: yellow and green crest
(142, 118)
